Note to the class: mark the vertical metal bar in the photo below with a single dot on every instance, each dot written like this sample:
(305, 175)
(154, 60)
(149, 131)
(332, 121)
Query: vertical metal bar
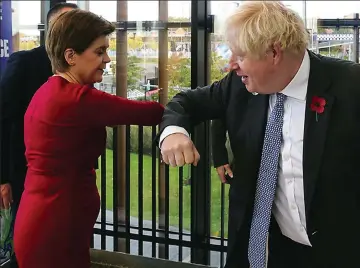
(222, 219)
(45, 7)
(181, 197)
(154, 158)
(103, 199)
(200, 176)
(120, 133)
(356, 40)
(116, 185)
(140, 187)
(127, 191)
(167, 205)
(163, 98)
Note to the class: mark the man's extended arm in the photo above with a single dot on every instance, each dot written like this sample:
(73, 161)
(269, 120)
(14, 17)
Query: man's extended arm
(186, 110)
(191, 107)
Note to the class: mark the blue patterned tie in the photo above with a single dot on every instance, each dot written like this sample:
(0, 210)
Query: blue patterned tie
(266, 185)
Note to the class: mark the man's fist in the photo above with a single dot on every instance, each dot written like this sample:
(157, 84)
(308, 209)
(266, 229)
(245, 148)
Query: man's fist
(178, 149)
(5, 196)
(224, 170)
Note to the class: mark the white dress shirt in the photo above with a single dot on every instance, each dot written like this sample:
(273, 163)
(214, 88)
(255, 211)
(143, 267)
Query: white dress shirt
(289, 204)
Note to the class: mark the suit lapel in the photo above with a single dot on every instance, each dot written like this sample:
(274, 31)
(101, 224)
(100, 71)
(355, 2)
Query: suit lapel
(315, 128)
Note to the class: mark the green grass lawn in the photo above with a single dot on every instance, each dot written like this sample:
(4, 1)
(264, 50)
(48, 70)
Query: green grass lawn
(173, 195)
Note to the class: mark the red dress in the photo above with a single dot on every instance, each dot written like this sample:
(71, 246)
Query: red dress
(64, 136)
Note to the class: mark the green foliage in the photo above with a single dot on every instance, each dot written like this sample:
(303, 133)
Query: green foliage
(217, 65)
(134, 72)
(179, 69)
(134, 139)
(135, 42)
(174, 191)
(179, 73)
(178, 19)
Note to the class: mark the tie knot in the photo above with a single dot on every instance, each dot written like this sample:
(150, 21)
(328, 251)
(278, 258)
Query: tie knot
(280, 98)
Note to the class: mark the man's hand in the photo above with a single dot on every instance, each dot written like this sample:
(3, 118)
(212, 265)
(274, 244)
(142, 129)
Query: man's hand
(178, 149)
(224, 170)
(5, 196)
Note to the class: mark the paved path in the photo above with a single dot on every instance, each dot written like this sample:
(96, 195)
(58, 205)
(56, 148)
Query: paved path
(147, 246)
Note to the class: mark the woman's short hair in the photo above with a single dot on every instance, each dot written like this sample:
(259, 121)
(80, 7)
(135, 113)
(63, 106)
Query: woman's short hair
(76, 29)
(257, 25)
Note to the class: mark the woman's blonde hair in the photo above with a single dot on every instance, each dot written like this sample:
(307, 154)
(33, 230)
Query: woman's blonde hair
(257, 25)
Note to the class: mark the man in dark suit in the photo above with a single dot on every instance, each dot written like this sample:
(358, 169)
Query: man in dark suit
(293, 118)
(26, 71)
(222, 155)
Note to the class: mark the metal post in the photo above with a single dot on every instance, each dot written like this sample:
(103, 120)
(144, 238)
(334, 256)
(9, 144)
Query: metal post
(356, 40)
(200, 176)
(163, 182)
(121, 180)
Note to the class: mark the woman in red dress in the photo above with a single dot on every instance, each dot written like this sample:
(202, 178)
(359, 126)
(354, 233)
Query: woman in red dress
(64, 135)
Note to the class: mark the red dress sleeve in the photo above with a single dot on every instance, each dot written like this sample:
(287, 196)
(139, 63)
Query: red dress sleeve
(99, 108)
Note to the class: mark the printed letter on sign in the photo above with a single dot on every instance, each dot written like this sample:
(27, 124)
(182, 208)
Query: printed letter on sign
(5, 32)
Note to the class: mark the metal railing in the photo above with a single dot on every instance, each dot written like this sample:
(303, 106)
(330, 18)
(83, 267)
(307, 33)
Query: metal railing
(146, 226)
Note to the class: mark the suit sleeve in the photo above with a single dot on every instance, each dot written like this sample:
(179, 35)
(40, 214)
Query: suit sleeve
(191, 107)
(102, 109)
(10, 102)
(218, 135)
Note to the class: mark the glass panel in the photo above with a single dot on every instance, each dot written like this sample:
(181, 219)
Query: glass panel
(26, 17)
(179, 78)
(143, 10)
(179, 11)
(331, 9)
(143, 74)
(220, 55)
(330, 41)
(107, 9)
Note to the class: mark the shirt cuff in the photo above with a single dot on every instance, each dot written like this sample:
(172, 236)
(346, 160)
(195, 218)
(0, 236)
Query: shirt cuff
(172, 130)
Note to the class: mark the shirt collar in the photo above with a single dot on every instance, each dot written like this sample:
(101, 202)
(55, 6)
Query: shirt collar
(297, 88)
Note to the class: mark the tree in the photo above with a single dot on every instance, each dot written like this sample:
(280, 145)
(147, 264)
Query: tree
(135, 42)
(179, 70)
(178, 19)
(218, 65)
(112, 44)
(134, 72)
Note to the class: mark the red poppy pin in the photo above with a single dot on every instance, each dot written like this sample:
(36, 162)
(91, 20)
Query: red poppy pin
(317, 105)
